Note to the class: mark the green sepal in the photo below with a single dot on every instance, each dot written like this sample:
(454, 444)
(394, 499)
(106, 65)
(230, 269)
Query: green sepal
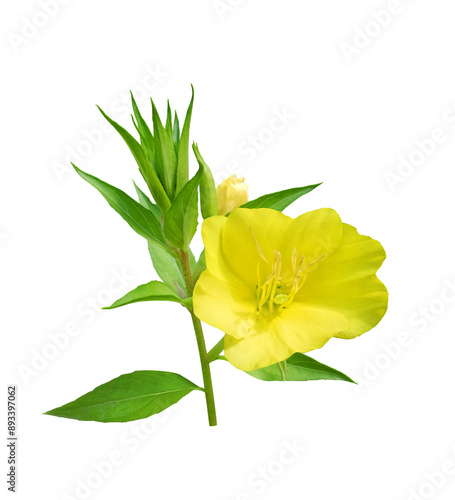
(300, 367)
(183, 157)
(180, 221)
(281, 199)
(129, 397)
(139, 218)
(209, 205)
(145, 167)
(154, 290)
(165, 157)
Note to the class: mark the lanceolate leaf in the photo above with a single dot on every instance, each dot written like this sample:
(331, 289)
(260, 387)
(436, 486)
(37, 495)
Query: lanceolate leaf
(138, 217)
(167, 267)
(176, 133)
(144, 200)
(147, 139)
(165, 158)
(300, 367)
(155, 290)
(180, 221)
(182, 161)
(281, 199)
(128, 397)
(144, 164)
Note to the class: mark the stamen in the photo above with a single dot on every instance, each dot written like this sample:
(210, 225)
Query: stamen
(294, 259)
(277, 268)
(263, 257)
(314, 261)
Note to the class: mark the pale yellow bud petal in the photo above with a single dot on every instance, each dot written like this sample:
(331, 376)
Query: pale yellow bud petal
(231, 194)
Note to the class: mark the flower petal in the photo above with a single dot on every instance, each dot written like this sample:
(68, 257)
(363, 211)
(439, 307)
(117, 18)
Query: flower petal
(299, 328)
(227, 305)
(245, 231)
(220, 298)
(346, 282)
(314, 235)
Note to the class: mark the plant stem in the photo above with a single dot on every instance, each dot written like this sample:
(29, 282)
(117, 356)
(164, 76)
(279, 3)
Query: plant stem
(205, 364)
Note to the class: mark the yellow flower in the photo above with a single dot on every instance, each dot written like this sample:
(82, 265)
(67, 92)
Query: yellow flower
(231, 194)
(276, 286)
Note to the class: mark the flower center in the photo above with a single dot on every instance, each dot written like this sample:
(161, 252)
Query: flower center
(280, 288)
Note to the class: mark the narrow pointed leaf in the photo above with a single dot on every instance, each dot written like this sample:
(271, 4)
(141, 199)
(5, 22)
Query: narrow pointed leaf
(147, 139)
(180, 221)
(144, 164)
(168, 126)
(144, 200)
(167, 267)
(165, 158)
(183, 157)
(139, 218)
(300, 367)
(281, 199)
(176, 132)
(129, 397)
(155, 290)
(209, 205)
(200, 266)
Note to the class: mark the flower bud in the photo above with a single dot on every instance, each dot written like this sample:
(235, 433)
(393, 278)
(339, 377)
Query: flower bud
(231, 193)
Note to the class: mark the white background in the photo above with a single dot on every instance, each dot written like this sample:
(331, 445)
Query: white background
(354, 112)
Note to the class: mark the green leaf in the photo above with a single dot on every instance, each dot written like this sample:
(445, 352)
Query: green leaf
(183, 160)
(209, 205)
(200, 266)
(145, 167)
(139, 218)
(155, 290)
(300, 367)
(180, 221)
(129, 397)
(281, 199)
(176, 133)
(168, 126)
(165, 158)
(144, 200)
(167, 267)
(147, 139)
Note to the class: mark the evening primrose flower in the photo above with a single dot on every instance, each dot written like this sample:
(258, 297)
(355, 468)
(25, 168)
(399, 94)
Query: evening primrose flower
(276, 285)
(231, 194)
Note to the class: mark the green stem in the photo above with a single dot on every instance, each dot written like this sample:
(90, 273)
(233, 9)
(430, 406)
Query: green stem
(205, 363)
